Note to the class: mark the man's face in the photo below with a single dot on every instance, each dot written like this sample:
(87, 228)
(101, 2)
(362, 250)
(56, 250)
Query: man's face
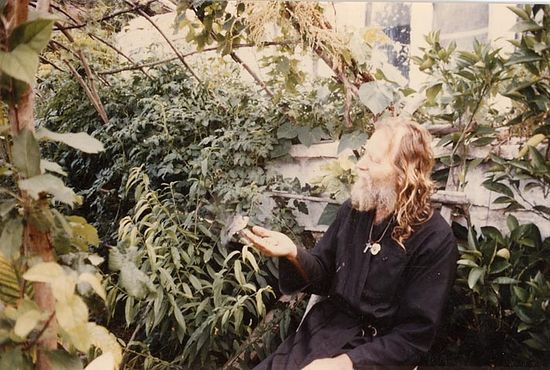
(376, 177)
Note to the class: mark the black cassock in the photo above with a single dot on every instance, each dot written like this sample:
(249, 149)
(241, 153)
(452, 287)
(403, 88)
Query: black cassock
(382, 310)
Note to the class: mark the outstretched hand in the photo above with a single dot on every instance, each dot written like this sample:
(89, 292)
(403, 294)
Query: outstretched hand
(271, 243)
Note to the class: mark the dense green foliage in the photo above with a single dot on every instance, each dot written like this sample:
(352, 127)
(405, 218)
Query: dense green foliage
(501, 298)
(199, 156)
(182, 157)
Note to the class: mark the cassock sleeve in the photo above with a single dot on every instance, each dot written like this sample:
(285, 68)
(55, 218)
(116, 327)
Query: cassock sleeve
(316, 266)
(429, 281)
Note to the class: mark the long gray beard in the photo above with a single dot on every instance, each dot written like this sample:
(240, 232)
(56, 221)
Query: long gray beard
(366, 196)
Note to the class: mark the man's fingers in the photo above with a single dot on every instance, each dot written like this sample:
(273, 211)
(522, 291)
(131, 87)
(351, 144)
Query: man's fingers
(254, 239)
(258, 230)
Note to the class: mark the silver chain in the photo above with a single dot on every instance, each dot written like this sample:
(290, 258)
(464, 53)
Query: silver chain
(384, 233)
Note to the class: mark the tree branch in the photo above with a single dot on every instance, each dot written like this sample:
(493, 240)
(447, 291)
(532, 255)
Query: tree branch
(258, 80)
(172, 46)
(97, 104)
(102, 19)
(167, 60)
(120, 52)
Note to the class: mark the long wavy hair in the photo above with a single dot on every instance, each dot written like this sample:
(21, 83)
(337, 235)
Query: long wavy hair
(413, 161)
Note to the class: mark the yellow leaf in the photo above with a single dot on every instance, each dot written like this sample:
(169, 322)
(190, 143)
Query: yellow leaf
(103, 362)
(26, 322)
(105, 341)
(63, 288)
(94, 281)
(44, 272)
(72, 313)
(533, 141)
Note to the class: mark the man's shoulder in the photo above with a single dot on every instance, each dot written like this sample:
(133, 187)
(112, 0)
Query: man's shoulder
(435, 231)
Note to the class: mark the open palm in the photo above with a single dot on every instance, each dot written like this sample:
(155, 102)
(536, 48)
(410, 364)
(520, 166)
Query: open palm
(269, 242)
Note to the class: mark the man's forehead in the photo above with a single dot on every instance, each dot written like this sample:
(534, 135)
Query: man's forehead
(383, 141)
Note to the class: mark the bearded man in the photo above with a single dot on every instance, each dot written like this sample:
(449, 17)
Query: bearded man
(387, 264)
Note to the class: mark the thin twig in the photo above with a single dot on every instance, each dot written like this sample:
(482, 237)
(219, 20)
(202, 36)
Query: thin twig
(98, 106)
(120, 52)
(102, 19)
(167, 60)
(39, 334)
(93, 88)
(258, 80)
(44, 60)
(172, 46)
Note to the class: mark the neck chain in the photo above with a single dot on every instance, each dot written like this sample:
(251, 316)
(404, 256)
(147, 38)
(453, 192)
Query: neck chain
(374, 245)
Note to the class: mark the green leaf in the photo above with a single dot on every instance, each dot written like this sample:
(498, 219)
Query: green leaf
(512, 223)
(239, 273)
(519, 12)
(474, 276)
(309, 136)
(15, 359)
(26, 153)
(505, 280)
(523, 56)
(472, 244)
(467, 262)
(431, 92)
(281, 149)
(27, 322)
(498, 187)
(62, 360)
(287, 131)
(35, 34)
(21, 63)
(493, 233)
(352, 140)
(83, 234)
(178, 314)
(483, 141)
(50, 184)
(375, 96)
(12, 238)
(537, 160)
(521, 294)
(81, 140)
(526, 25)
(45, 272)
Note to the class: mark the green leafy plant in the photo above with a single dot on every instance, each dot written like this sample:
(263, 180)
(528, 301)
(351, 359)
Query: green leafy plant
(47, 325)
(194, 299)
(502, 288)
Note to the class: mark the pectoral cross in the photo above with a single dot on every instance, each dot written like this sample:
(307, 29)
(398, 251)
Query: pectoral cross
(374, 248)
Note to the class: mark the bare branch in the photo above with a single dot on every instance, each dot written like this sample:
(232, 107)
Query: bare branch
(44, 60)
(167, 60)
(258, 80)
(97, 104)
(172, 46)
(102, 19)
(120, 52)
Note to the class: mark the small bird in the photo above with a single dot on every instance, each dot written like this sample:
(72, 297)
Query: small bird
(235, 224)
